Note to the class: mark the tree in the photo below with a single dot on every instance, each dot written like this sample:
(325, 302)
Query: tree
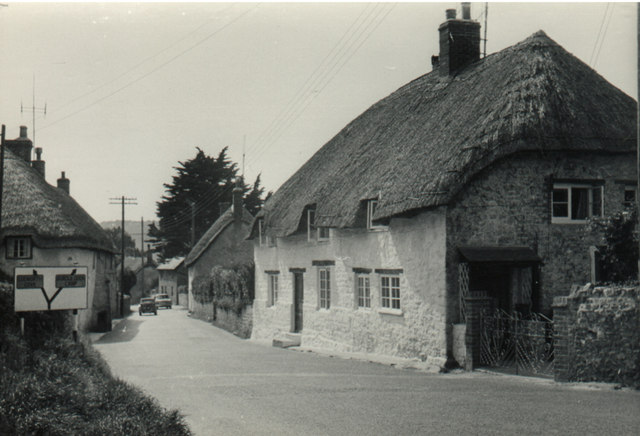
(201, 190)
(619, 246)
(115, 234)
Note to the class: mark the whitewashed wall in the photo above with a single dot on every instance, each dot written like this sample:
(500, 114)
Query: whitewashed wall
(416, 245)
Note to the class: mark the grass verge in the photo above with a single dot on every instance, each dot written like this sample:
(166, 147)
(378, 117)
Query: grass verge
(50, 385)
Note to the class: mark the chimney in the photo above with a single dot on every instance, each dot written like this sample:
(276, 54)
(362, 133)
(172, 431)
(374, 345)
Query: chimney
(38, 164)
(237, 201)
(459, 41)
(63, 183)
(21, 146)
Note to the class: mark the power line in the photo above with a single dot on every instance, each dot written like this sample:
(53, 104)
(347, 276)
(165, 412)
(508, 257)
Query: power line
(142, 62)
(327, 76)
(144, 76)
(602, 32)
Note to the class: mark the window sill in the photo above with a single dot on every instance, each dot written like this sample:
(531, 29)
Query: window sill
(388, 311)
(568, 221)
(378, 229)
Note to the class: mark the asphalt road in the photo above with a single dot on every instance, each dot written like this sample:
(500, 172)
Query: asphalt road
(229, 386)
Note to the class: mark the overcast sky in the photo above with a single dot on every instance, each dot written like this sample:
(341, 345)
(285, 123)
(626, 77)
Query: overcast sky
(131, 89)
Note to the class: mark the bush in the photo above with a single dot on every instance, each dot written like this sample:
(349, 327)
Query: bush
(619, 246)
(228, 288)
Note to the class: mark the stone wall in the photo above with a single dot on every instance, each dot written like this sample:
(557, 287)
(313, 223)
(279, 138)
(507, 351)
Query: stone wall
(415, 246)
(509, 204)
(239, 324)
(597, 335)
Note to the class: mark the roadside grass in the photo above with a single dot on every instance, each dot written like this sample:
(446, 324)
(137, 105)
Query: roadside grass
(50, 385)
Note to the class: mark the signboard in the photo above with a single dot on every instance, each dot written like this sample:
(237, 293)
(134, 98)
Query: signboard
(50, 288)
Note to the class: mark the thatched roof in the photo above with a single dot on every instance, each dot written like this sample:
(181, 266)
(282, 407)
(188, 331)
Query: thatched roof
(30, 206)
(418, 147)
(214, 231)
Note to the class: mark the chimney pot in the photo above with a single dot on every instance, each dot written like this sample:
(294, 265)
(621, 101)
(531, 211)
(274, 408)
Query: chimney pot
(23, 132)
(451, 14)
(38, 164)
(466, 10)
(64, 183)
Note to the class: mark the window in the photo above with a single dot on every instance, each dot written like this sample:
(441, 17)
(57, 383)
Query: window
(262, 237)
(272, 297)
(324, 286)
(629, 196)
(18, 248)
(390, 292)
(371, 209)
(574, 203)
(323, 233)
(363, 290)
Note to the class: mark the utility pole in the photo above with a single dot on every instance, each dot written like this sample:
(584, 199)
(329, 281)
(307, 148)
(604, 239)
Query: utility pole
(142, 256)
(193, 222)
(638, 133)
(1, 170)
(486, 14)
(34, 110)
(124, 201)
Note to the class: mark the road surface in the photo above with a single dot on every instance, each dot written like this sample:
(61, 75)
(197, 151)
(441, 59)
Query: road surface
(228, 386)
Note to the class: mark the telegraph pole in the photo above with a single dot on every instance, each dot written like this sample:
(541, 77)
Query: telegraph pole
(142, 255)
(124, 201)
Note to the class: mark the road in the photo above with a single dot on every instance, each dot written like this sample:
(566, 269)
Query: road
(229, 386)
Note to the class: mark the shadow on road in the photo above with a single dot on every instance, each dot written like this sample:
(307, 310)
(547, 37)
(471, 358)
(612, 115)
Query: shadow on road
(123, 332)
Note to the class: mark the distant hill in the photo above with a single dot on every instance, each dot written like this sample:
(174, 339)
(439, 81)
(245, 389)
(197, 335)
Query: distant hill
(131, 227)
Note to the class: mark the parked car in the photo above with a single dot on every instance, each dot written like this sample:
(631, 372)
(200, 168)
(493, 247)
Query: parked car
(163, 300)
(147, 305)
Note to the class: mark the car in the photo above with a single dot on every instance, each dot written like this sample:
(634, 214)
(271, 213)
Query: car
(163, 300)
(147, 305)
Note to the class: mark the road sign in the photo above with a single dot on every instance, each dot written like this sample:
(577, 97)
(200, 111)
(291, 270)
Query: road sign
(50, 288)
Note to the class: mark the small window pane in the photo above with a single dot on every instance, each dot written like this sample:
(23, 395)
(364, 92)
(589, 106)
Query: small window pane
(596, 209)
(560, 203)
(579, 203)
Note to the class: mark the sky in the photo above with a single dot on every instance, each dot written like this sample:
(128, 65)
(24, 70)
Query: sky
(131, 89)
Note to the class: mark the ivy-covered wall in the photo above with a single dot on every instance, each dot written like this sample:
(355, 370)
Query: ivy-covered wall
(225, 297)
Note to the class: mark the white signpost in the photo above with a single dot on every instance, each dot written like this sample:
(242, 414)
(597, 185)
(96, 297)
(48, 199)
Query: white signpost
(44, 288)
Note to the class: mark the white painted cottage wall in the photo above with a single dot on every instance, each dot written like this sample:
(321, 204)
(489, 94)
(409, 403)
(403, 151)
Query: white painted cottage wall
(416, 245)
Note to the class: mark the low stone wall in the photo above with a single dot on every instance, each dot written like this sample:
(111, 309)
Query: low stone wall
(597, 335)
(240, 324)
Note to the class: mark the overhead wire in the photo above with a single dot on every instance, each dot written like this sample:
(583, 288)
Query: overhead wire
(142, 62)
(604, 24)
(144, 76)
(339, 58)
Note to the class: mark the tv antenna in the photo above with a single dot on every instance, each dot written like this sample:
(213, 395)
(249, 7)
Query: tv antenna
(34, 110)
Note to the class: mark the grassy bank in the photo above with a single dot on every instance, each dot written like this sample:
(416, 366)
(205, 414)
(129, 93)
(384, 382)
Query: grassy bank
(50, 385)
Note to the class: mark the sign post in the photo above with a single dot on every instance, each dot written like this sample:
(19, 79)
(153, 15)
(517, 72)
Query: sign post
(48, 288)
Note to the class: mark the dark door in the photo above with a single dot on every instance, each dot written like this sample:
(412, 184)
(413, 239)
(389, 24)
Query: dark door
(298, 299)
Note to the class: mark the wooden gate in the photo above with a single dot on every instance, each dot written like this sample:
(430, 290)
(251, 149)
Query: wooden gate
(516, 344)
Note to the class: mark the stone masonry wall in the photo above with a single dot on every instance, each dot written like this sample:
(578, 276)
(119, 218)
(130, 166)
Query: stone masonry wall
(598, 335)
(509, 204)
(238, 324)
(414, 245)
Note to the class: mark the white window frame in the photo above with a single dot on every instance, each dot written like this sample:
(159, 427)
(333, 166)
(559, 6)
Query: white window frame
(390, 301)
(363, 291)
(569, 187)
(18, 247)
(324, 288)
(272, 288)
(371, 209)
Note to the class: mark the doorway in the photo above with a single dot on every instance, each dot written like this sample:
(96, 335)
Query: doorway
(298, 300)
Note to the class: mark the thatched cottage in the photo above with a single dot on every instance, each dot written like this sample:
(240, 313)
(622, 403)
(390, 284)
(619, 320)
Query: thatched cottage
(224, 245)
(42, 225)
(477, 176)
